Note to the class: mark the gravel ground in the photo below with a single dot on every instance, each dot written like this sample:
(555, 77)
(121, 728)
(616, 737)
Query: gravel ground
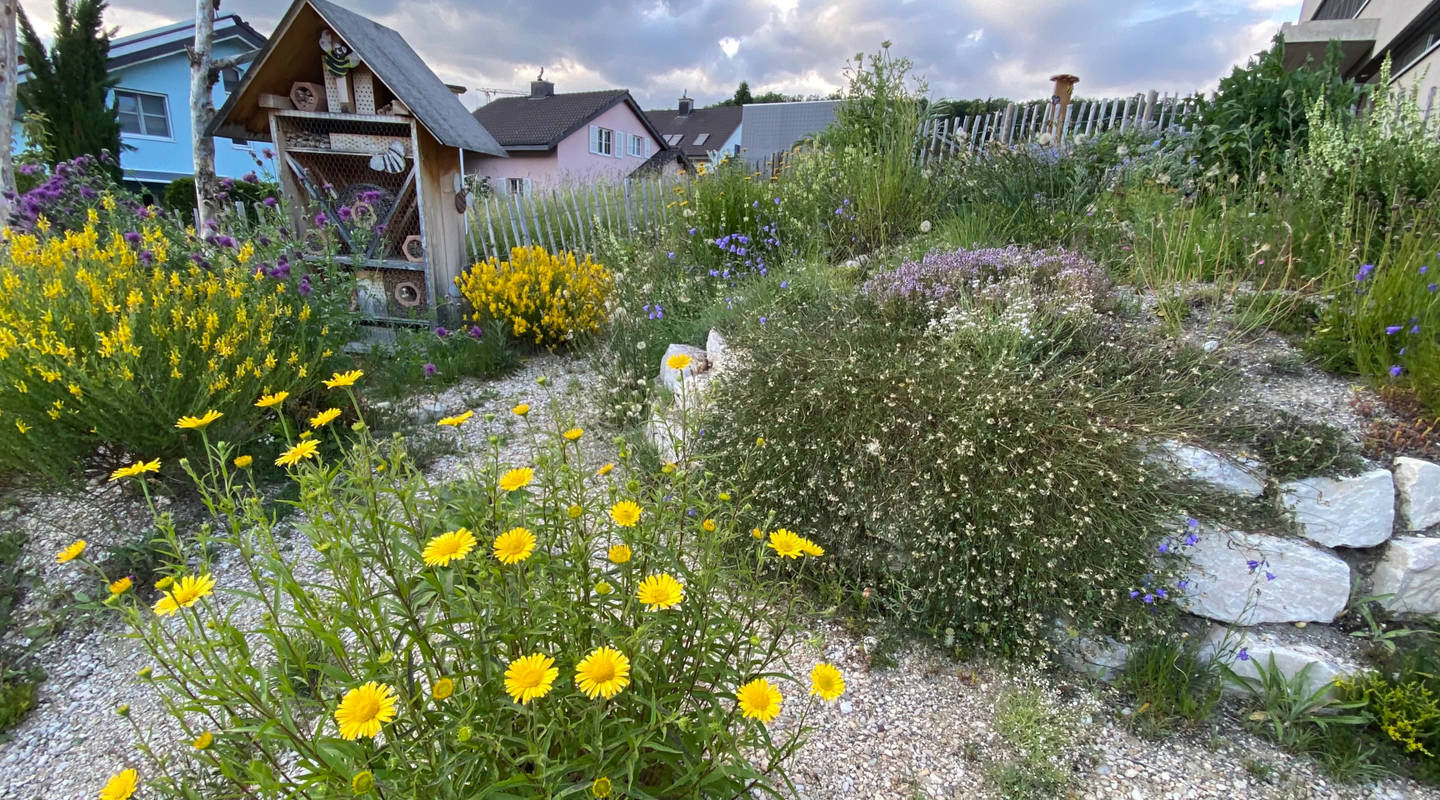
(921, 729)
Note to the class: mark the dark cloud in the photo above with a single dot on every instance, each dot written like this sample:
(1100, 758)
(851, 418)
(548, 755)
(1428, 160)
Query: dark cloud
(657, 48)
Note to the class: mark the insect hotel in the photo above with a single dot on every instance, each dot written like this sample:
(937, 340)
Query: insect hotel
(370, 150)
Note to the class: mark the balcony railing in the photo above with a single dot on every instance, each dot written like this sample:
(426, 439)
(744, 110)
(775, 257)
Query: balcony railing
(1339, 9)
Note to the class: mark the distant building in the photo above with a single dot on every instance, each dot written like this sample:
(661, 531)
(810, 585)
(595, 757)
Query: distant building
(152, 91)
(1367, 31)
(771, 128)
(578, 137)
(702, 134)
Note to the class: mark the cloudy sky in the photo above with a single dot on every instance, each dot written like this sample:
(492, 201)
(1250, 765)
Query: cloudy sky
(659, 48)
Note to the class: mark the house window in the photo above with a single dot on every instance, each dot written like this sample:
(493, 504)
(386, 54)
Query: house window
(517, 185)
(143, 114)
(638, 146)
(602, 141)
(230, 78)
(699, 140)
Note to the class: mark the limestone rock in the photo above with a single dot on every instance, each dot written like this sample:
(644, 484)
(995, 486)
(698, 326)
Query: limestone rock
(717, 351)
(1345, 512)
(1291, 655)
(1229, 579)
(1236, 475)
(1417, 486)
(1410, 573)
(1103, 657)
(671, 377)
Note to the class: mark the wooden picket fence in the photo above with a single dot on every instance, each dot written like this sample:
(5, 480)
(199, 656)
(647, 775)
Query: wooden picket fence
(572, 217)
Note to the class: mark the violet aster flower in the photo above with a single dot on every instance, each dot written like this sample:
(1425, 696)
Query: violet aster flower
(321, 219)
(476, 332)
(132, 237)
(270, 202)
(429, 370)
(1396, 370)
(441, 332)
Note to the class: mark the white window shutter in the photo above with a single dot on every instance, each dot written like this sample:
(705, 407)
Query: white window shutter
(594, 139)
(647, 146)
(529, 187)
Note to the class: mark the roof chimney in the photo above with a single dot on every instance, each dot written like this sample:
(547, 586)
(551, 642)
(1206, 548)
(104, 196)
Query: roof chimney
(541, 87)
(686, 104)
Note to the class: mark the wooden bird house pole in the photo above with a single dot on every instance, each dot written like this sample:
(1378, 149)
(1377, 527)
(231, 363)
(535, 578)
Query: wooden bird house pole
(205, 72)
(9, 55)
(1064, 87)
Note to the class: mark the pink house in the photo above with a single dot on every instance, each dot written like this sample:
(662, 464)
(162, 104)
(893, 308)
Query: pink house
(580, 137)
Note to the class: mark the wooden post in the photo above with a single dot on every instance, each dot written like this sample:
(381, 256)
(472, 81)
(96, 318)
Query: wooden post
(1064, 87)
(9, 55)
(204, 74)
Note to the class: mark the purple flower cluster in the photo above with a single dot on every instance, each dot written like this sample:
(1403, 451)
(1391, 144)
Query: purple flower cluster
(1053, 277)
(64, 197)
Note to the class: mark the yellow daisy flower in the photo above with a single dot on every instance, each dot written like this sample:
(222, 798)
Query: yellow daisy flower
(450, 546)
(514, 545)
(71, 553)
(600, 788)
(186, 592)
(786, 543)
(619, 553)
(678, 361)
(573, 434)
(605, 672)
(324, 418)
(809, 548)
(605, 470)
(306, 448)
(757, 533)
(121, 586)
(203, 741)
(342, 379)
(625, 513)
(138, 468)
(196, 423)
(575, 511)
(826, 682)
(530, 677)
(708, 525)
(164, 583)
(364, 709)
(442, 689)
(603, 588)
(242, 462)
(521, 410)
(271, 400)
(659, 592)
(517, 479)
(759, 699)
(362, 782)
(121, 786)
(455, 421)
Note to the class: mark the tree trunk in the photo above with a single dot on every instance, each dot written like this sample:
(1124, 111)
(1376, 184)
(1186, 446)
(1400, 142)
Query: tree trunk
(202, 110)
(9, 55)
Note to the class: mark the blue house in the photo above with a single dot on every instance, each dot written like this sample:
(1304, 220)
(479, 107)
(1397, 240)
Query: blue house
(152, 93)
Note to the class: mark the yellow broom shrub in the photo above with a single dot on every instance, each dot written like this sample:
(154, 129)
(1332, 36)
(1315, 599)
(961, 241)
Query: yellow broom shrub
(547, 298)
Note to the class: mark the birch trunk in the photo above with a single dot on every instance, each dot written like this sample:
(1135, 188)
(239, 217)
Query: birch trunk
(9, 56)
(202, 110)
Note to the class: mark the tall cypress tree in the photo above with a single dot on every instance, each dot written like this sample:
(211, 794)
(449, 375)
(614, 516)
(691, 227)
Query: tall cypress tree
(68, 83)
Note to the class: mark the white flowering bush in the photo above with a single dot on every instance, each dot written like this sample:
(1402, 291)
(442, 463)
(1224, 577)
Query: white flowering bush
(540, 629)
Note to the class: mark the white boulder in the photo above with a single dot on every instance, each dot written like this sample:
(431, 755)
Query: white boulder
(717, 351)
(1344, 512)
(1246, 655)
(671, 377)
(1250, 579)
(1240, 476)
(1417, 486)
(1409, 573)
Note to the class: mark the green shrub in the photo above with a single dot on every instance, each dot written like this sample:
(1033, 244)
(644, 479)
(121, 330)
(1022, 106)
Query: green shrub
(1040, 735)
(454, 644)
(988, 495)
(1172, 682)
(438, 358)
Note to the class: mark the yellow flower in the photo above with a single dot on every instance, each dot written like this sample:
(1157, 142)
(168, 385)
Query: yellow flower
(121, 586)
(138, 468)
(457, 420)
(521, 410)
(186, 592)
(362, 782)
(21, 426)
(625, 513)
(450, 546)
(71, 553)
(605, 470)
(668, 468)
(826, 682)
(724, 497)
(271, 400)
(196, 423)
(442, 689)
(306, 448)
(342, 379)
(324, 418)
(573, 434)
(659, 592)
(600, 788)
(678, 361)
(517, 479)
(760, 441)
(757, 533)
(604, 672)
(203, 741)
(809, 548)
(787, 543)
(164, 583)
(759, 699)
(363, 710)
(530, 677)
(241, 462)
(619, 553)
(708, 525)
(121, 786)
(514, 545)
(603, 588)
(574, 511)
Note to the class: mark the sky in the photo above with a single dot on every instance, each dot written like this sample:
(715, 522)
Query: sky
(660, 48)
